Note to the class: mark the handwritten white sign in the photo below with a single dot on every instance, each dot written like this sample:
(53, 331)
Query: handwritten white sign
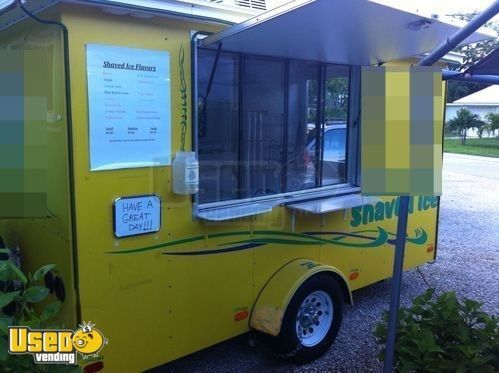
(137, 215)
(129, 107)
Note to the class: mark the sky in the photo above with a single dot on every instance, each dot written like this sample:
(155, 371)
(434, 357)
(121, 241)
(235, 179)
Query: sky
(440, 7)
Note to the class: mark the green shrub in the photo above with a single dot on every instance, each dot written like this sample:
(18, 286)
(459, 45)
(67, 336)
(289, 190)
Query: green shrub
(443, 334)
(19, 293)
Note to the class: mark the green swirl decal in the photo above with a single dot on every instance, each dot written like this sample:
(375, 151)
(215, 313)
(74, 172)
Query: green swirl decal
(374, 237)
(420, 239)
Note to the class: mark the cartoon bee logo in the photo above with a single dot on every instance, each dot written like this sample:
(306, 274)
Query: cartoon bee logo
(87, 340)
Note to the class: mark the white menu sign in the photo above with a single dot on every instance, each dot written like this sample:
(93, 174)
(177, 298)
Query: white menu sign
(129, 107)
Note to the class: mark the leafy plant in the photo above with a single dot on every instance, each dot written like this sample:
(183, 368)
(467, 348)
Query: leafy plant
(444, 334)
(19, 292)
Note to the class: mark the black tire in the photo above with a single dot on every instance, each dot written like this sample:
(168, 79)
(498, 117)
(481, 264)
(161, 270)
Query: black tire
(288, 344)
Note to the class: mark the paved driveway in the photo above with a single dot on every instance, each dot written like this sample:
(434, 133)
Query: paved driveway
(472, 165)
(468, 263)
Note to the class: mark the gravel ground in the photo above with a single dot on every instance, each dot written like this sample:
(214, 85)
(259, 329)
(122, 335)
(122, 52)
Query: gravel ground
(467, 262)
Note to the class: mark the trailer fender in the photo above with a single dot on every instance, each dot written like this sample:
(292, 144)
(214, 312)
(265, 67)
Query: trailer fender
(271, 304)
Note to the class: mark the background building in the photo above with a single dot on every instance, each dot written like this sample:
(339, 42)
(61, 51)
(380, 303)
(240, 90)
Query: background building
(481, 103)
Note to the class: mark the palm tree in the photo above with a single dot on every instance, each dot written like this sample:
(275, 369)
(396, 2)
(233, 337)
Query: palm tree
(463, 121)
(492, 122)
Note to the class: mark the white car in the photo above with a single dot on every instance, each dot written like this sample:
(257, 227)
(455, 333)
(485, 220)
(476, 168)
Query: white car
(333, 167)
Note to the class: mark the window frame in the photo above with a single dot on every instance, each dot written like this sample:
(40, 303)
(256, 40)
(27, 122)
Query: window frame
(352, 184)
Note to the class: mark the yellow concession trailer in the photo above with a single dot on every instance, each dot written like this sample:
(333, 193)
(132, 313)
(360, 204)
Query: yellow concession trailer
(200, 179)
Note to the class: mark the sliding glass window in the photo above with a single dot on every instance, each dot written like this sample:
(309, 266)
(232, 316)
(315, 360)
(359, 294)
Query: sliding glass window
(270, 126)
(263, 127)
(302, 126)
(336, 108)
(218, 126)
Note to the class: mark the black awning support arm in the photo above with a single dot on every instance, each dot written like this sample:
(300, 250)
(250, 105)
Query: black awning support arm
(213, 71)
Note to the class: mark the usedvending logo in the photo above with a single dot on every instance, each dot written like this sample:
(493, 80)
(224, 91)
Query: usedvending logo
(57, 346)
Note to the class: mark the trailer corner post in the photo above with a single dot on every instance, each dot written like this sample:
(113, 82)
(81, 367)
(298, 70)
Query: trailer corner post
(398, 264)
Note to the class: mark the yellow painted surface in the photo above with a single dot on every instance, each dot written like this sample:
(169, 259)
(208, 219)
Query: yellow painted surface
(152, 307)
(279, 222)
(161, 296)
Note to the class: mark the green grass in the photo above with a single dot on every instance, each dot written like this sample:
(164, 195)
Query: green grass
(487, 147)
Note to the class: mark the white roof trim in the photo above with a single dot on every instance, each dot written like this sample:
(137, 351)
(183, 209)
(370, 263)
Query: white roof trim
(486, 96)
(475, 104)
(5, 4)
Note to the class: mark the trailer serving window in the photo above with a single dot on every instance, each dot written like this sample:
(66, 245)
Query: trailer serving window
(273, 128)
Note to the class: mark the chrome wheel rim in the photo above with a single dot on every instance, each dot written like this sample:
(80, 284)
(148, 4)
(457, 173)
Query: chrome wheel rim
(314, 318)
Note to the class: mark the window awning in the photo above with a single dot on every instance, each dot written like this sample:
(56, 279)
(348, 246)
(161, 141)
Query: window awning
(356, 32)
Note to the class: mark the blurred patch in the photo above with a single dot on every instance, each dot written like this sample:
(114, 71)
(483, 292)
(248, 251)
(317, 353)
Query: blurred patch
(402, 118)
(23, 133)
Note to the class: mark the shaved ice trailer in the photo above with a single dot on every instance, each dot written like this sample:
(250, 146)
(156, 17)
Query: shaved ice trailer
(193, 181)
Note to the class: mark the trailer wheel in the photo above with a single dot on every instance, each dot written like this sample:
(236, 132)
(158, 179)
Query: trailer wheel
(311, 321)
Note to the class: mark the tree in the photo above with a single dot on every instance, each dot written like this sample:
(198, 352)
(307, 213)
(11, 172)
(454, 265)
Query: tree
(463, 121)
(336, 98)
(472, 53)
(457, 89)
(476, 51)
(492, 120)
